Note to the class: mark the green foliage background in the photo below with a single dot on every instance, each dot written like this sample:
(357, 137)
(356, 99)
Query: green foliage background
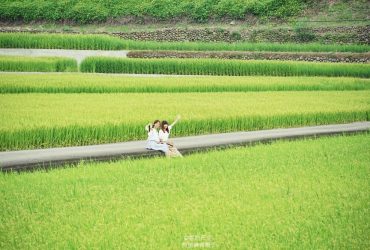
(87, 11)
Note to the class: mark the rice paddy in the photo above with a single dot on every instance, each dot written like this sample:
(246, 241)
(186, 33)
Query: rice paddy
(37, 64)
(102, 83)
(300, 194)
(222, 67)
(30, 120)
(106, 42)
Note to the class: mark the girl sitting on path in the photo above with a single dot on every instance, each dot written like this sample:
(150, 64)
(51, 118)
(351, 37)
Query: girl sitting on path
(164, 134)
(153, 138)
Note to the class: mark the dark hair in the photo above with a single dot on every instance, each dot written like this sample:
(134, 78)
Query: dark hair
(162, 126)
(152, 126)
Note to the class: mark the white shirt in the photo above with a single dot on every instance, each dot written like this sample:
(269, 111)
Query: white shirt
(153, 135)
(163, 135)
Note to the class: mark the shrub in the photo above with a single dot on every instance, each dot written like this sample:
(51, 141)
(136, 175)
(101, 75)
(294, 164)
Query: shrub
(303, 33)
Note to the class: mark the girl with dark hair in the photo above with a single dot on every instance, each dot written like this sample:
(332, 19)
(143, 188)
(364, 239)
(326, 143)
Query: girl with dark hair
(164, 134)
(153, 141)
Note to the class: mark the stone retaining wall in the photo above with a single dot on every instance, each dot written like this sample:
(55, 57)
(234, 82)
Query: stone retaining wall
(310, 57)
(344, 35)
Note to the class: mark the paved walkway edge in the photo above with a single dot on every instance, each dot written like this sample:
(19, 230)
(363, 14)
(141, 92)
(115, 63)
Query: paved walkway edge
(30, 159)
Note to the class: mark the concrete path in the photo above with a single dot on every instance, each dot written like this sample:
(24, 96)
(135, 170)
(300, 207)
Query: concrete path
(27, 159)
(79, 55)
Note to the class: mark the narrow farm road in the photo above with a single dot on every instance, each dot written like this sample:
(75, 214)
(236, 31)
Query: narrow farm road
(79, 55)
(28, 159)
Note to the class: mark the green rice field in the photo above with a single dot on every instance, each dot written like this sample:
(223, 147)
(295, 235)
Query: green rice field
(103, 83)
(302, 194)
(308, 193)
(222, 67)
(106, 42)
(30, 120)
(37, 64)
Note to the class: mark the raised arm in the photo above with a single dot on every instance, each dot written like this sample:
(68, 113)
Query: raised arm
(147, 127)
(178, 117)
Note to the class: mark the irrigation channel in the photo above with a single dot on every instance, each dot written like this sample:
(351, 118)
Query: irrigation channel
(31, 159)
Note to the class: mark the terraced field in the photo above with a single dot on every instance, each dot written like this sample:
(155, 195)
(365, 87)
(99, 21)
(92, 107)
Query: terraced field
(222, 67)
(37, 64)
(30, 120)
(301, 194)
(310, 193)
(105, 42)
(105, 83)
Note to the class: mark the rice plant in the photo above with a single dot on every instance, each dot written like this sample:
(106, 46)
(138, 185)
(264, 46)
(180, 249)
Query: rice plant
(106, 42)
(38, 64)
(307, 193)
(102, 83)
(222, 67)
(44, 120)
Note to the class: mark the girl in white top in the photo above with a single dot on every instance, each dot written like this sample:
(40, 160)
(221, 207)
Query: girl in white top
(153, 141)
(164, 134)
(165, 130)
